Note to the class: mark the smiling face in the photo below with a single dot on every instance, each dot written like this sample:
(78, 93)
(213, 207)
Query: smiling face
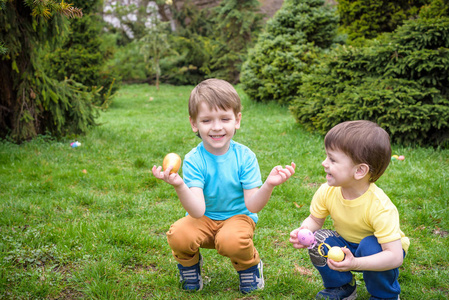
(216, 127)
(340, 169)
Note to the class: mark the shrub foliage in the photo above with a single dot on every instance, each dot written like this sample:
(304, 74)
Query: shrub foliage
(401, 82)
(290, 45)
(31, 102)
(366, 19)
(82, 57)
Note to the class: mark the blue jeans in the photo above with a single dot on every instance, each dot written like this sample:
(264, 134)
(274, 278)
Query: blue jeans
(382, 284)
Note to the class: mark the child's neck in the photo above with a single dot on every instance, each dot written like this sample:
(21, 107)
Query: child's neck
(356, 190)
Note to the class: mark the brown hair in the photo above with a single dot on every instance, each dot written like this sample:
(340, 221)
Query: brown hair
(217, 93)
(364, 142)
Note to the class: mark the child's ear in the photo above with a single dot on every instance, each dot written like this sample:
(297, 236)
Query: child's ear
(361, 171)
(193, 124)
(238, 118)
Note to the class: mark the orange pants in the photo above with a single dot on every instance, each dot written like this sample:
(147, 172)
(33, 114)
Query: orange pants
(232, 238)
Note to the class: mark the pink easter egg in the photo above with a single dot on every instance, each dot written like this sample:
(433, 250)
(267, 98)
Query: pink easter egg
(401, 157)
(306, 237)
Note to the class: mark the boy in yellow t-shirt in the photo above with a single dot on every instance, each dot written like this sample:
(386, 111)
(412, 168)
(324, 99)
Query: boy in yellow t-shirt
(366, 221)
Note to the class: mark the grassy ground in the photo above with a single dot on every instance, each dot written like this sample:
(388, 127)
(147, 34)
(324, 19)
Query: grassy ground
(90, 222)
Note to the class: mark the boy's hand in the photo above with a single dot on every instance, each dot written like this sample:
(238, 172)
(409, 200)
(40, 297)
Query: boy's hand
(279, 175)
(294, 238)
(174, 179)
(345, 265)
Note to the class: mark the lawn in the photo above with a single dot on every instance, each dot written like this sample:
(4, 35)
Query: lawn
(90, 222)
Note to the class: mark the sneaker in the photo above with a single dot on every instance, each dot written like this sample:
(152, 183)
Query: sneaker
(251, 279)
(346, 292)
(190, 277)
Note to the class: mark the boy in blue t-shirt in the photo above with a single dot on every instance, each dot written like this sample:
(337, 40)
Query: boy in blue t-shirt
(221, 190)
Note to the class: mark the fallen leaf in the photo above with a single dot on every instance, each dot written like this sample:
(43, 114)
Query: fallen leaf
(297, 205)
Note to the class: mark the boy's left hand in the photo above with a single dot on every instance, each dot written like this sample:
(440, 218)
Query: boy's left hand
(345, 265)
(279, 175)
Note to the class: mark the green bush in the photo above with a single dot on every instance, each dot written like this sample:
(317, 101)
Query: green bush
(290, 45)
(82, 57)
(192, 46)
(401, 82)
(129, 63)
(366, 19)
(436, 8)
(32, 102)
(190, 63)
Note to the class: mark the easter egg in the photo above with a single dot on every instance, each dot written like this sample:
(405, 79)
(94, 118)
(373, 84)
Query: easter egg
(172, 159)
(306, 237)
(401, 157)
(335, 253)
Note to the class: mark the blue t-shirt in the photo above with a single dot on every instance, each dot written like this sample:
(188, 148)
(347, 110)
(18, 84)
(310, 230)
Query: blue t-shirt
(223, 179)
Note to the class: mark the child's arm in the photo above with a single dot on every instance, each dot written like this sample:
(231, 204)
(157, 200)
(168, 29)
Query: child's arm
(312, 223)
(257, 198)
(391, 257)
(192, 199)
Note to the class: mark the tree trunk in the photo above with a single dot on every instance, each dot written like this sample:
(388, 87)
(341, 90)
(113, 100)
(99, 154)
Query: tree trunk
(7, 97)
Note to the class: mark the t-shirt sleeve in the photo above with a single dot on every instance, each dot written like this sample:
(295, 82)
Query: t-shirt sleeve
(191, 172)
(250, 172)
(318, 206)
(386, 225)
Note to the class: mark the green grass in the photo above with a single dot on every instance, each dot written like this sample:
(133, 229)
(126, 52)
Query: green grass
(100, 234)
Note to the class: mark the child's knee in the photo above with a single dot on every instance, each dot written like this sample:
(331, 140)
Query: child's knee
(178, 237)
(322, 236)
(325, 236)
(368, 246)
(231, 245)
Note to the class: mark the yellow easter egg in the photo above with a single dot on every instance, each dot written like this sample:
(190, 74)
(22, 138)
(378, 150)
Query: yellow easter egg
(335, 253)
(172, 159)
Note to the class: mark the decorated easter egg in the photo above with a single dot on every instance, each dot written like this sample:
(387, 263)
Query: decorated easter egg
(306, 237)
(172, 159)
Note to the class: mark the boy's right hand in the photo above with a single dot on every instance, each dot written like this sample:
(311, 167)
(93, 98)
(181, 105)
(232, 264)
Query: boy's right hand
(174, 179)
(294, 238)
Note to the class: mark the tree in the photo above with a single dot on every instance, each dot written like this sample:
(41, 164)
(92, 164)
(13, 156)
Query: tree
(155, 44)
(287, 49)
(237, 26)
(31, 102)
(82, 56)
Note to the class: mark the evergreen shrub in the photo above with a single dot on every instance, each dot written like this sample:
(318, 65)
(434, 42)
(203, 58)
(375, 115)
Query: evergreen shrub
(31, 101)
(236, 24)
(129, 63)
(401, 82)
(291, 43)
(190, 62)
(191, 46)
(82, 57)
(366, 19)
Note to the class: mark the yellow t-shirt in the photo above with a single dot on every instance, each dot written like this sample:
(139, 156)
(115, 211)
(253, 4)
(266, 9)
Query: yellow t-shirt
(373, 213)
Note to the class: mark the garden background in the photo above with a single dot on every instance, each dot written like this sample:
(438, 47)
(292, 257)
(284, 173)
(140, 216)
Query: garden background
(90, 221)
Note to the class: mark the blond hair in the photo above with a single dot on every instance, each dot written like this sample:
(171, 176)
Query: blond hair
(217, 94)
